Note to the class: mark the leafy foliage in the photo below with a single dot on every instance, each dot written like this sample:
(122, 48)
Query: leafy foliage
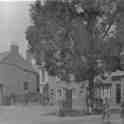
(63, 32)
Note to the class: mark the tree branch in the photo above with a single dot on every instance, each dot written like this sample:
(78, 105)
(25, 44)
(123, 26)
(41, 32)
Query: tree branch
(110, 25)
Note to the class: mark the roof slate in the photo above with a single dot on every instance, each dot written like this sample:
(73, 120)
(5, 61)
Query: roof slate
(16, 59)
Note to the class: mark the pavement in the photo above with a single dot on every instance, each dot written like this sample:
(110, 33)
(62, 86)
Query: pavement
(36, 114)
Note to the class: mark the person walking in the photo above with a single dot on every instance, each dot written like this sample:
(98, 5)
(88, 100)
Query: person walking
(106, 111)
(122, 111)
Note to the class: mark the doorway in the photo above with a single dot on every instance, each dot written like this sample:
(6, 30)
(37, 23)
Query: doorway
(118, 93)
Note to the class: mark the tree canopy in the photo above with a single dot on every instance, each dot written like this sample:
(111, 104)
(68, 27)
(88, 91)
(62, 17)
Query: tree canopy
(69, 36)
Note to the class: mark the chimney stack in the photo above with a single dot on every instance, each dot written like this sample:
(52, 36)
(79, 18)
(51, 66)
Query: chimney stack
(14, 48)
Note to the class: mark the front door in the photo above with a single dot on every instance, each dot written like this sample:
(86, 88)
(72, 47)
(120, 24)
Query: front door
(118, 93)
(68, 99)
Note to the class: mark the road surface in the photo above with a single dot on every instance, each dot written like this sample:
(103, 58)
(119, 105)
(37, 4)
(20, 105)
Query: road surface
(36, 115)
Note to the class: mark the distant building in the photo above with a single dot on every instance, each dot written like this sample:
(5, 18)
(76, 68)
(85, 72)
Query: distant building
(112, 87)
(17, 75)
(57, 90)
(43, 74)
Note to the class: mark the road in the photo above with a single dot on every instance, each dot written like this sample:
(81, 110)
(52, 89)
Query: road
(80, 120)
(35, 115)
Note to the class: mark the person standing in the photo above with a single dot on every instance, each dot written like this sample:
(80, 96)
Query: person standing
(122, 111)
(106, 111)
(26, 96)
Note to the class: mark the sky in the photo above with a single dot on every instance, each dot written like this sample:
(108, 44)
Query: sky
(14, 19)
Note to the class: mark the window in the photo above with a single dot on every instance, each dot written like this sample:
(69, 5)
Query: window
(25, 85)
(118, 93)
(43, 75)
(105, 91)
(60, 92)
(52, 92)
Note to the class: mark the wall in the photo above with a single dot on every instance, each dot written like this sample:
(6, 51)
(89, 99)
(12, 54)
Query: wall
(78, 98)
(13, 79)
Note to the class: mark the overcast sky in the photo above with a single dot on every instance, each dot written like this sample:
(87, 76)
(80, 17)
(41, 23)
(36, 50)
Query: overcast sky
(14, 19)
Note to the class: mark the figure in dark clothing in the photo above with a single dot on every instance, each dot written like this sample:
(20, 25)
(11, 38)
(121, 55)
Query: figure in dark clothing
(106, 111)
(122, 111)
(26, 97)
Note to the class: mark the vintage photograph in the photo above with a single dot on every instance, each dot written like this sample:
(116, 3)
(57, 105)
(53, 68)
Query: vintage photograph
(61, 61)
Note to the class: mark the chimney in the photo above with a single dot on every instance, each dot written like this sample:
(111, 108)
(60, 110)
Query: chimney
(14, 48)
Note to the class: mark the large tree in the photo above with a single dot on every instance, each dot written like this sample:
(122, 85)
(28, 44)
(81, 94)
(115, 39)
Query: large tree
(69, 36)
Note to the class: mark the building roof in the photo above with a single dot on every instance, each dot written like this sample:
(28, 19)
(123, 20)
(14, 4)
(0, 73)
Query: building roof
(71, 85)
(3, 55)
(99, 81)
(14, 58)
(117, 73)
(64, 84)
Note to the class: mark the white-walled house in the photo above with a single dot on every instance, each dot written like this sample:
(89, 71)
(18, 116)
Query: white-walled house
(112, 87)
(17, 75)
(57, 91)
